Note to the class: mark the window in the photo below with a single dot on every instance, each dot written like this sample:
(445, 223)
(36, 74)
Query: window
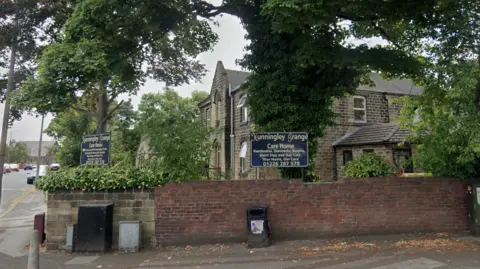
(368, 150)
(216, 149)
(207, 117)
(347, 156)
(243, 109)
(243, 154)
(359, 109)
(403, 160)
(217, 108)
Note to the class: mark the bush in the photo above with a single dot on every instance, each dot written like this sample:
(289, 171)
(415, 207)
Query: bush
(99, 178)
(368, 165)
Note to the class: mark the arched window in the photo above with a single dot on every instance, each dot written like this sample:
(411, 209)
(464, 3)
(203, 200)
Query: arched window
(216, 149)
(217, 108)
(207, 117)
(242, 104)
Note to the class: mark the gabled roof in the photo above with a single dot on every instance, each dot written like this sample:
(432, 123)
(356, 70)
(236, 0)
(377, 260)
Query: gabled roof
(236, 78)
(373, 134)
(394, 86)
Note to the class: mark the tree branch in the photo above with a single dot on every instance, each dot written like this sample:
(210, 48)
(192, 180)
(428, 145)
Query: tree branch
(110, 113)
(351, 17)
(113, 95)
(208, 10)
(84, 111)
(385, 35)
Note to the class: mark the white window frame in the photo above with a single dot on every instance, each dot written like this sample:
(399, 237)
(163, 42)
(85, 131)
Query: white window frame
(360, 109)
(243, 108)
(243, 155)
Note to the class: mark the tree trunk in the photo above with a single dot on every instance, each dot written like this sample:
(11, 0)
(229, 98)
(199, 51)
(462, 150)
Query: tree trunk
(102, 109)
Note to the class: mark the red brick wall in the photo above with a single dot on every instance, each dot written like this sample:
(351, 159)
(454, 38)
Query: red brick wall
(215, 211)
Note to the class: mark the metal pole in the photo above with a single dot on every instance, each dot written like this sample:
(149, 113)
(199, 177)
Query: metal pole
(33, 252)
(6, 112)
(39, 148)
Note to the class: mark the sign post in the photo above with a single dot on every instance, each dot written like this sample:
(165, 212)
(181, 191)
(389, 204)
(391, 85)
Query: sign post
(95, 149)
(281, 149)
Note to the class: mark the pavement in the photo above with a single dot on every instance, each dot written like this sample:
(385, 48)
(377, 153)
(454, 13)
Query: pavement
(20, 202)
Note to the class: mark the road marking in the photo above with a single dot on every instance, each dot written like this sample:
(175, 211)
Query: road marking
(17, 201)
(420, 263)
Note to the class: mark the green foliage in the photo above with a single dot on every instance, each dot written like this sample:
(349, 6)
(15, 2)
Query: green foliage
(444, 121)
(105, 48)
(368, 164)
(17, 152)
(125, 136)
(99, 178)
(177, 136)
(199, 96)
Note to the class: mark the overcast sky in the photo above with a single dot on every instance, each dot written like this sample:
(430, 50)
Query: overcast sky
(229, 48)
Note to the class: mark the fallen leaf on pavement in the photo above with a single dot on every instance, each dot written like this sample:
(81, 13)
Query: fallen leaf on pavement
(438, 244)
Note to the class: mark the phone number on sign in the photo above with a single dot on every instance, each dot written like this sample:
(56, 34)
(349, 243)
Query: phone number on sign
(281, 164)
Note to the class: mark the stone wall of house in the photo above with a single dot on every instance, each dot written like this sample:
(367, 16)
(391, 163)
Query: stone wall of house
(215, 211)
(242, 134)
(128, 205)
(393, 107)
(381, 150)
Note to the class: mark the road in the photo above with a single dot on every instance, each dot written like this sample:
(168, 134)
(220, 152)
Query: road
(20, 203)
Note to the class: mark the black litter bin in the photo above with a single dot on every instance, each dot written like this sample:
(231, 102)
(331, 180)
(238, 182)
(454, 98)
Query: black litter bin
(258, 228)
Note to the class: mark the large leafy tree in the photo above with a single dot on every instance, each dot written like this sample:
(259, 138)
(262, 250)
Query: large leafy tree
(29, 25)
(302, 59)
(445, 123)
(104, 48)
(17, 152)
(176, 134)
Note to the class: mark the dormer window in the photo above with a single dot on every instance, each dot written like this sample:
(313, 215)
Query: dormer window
(243, 108)
(359, 109)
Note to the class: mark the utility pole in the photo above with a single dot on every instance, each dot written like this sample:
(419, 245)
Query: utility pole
(39, 149)
(6, 113)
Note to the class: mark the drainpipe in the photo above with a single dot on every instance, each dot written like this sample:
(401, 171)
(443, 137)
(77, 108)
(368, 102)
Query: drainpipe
(232, 132)
(334, 163)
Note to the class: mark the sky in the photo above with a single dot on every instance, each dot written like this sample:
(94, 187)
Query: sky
(229, 48)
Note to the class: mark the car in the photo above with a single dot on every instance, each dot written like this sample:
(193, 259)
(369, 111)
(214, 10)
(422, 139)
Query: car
(6, 168)
(42, 171)
(28, 167)
(14, 167)
(54, 167)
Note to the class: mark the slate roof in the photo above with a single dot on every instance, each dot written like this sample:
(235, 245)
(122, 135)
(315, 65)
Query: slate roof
(373, 134)
(394, 86)
(236, 78)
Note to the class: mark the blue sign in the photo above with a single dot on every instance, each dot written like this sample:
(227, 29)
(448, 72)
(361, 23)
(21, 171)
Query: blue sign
(95, 149)
(279, 149)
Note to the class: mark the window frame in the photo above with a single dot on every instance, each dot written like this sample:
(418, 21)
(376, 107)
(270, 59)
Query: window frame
(360, 109)
(243, 159)
(242, 104)
(345, 162)
(208, 117)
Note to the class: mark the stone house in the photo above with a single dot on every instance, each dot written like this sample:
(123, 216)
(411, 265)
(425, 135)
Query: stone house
(364, 122)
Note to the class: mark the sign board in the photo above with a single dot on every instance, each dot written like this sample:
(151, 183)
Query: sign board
(95, 149)
(279, 149)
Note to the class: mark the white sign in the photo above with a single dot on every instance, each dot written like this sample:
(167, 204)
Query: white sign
(256, 226)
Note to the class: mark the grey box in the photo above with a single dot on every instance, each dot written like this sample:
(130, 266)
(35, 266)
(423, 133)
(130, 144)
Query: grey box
(130, 236)
(71, 238)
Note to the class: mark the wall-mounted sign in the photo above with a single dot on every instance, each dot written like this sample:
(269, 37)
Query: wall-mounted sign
(95, 149)
(279, 149)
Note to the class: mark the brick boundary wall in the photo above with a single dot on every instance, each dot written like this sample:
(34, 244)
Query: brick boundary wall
(215, 211)
(62, 211)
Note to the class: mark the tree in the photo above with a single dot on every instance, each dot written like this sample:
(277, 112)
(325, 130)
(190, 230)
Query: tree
(444, 122)
(301, 57)
(29, 25)
(199, 96)
(17, 152)
(126, 136)
(103, 49)
(178, 137)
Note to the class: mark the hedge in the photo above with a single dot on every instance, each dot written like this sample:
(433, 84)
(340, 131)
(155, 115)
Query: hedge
(99, 178)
